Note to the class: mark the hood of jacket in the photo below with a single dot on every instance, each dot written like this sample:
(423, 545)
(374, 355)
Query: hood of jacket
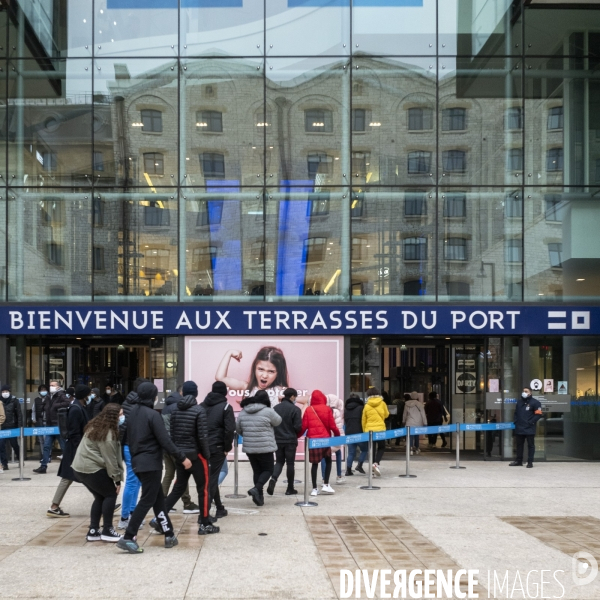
(413, 403)
(254, 408)
(335, 402)
(375, 401)
(173, 398)
(146, 402)
(318, 398)
(187, 402)
(131, 398)
(353, 403)
(212, 399)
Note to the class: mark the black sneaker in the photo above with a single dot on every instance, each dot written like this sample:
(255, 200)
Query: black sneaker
(93, 535)
(360, 469)
(515, 464)
(110, 535)
(171, 541)
(191, 509)
(221, 512)
(57, 513)
(154, 524)
(256, 496)
(530, 465)
(291, 492)
(208, 529)
(349, 472)
(40, 470)
(271, 487)
(130, 546)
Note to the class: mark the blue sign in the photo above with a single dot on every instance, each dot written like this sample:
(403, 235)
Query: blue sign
(32, 431)
(115, 4)
(299, 319)
(9, 433)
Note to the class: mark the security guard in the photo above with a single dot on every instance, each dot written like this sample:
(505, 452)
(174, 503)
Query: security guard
(527, 413)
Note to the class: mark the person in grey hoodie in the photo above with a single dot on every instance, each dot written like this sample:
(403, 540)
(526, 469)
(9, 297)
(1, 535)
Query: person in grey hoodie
(256, 423)
(414, 416)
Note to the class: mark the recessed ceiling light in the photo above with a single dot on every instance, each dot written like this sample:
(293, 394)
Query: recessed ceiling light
(581, 280)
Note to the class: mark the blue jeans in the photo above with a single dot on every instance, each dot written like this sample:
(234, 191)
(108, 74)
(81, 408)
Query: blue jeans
(131, 491)
(414, 441)
(224, 471)
(338, 464)
(352, 452)
(48, 442)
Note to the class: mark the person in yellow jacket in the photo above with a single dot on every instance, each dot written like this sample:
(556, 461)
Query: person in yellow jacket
(373, 419)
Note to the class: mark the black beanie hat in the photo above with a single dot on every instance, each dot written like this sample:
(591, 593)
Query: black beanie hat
(218, 387)
(70, 391)
(82, 391)
(5, 388)
(189, 388)
(261, 397)
(147, 391)
(42, 387)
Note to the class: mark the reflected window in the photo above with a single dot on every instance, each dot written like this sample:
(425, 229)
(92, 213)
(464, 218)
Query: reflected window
(458, 288)
(259, 118)
(420, 119)
(314, 249)
(156, 263)
(154, 163)
(415, 203)
(415, 248)
(513, 118)
(98, 208)
(98, 258)
(318, 205)
(210, 212)
(455, 205)
(57, 290)
(555, 118)
(319, 164)
(555, 207)
(515, 290)
(210, 120)
(359, 248)
(213, 165)
(55, 254)
(454, 161)
(554, 159)
(555, 253)
(48, 160)
(419, 162)
(455, 249)
(359, 119)
(98, 161)
(203, 259)
(514, 250)
(513, 205)
(155, 215)
(514, 159)
(597, 171)
(52, 212)
(415, 288)
(152, 121)
(318, 120)
(257, 252)
(360, 163)
(357, 206)
(454, 119)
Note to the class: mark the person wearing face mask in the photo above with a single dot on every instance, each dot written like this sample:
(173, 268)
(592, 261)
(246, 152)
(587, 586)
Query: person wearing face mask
(52, 402)
(528, 412)
(77, 419)
(14, 418)
(95, 395)
(37, 414)
(112, 394)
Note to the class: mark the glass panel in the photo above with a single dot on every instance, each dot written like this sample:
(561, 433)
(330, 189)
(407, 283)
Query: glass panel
(224, 244)
(489, 148)
(398, 143)
(401, 28)
(217, 27)
(305, 27)
(49, 124)
(470, 27)
(307, 245)
(135, 233)
(562, 256)
(480, 246)
(133, 28)
(301, 150)
(393, 244)
(135, 122)
(49, 245)
(222, 129)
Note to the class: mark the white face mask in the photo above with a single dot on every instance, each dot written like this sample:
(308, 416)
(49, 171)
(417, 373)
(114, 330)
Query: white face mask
(108, 391)
(524, 395)
(52, 389)
(6, 394)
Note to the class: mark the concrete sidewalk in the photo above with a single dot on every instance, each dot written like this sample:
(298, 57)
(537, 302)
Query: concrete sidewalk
(486, 517)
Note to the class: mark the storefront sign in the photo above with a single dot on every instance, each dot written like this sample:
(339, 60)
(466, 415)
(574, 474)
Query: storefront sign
(298, 319)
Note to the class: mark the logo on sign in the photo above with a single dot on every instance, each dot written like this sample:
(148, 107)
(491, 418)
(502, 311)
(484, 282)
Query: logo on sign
(536, 385)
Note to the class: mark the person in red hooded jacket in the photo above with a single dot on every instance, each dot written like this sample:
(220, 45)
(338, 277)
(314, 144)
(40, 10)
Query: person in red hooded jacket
(318, 422)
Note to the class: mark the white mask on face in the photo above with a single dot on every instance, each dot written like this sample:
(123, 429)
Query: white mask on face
(524, 395)
(6, 394)
(52, 389)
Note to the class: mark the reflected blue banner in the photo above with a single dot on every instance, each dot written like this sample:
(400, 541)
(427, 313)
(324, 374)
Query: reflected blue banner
(486, 426)
(116, 4)
(33, 431)
(9, 433)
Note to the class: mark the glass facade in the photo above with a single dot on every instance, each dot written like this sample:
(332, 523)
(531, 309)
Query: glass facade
(374, 150)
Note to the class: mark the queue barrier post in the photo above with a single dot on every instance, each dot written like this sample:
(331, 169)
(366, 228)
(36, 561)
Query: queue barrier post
(407, 475)
(370, 486)
(306, 503)
(235, 495)
(21, 456)
(457, 438)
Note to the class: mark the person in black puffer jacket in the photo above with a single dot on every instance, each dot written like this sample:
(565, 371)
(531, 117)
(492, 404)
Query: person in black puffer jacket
(286, 436)
(353, 411)
(189, 432)
(221, 429)
(147, 438)
(14, 418)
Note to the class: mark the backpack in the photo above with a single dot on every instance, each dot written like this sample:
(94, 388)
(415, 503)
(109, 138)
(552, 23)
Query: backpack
(63, 419)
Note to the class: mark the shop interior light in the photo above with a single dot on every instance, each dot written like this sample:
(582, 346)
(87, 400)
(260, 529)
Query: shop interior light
(375, 124)
(581, 280)
(318, 124)
(201, 124)
(137, 124)
(262, 124)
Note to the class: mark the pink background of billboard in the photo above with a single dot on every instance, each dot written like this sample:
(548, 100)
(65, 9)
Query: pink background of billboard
(313, 362)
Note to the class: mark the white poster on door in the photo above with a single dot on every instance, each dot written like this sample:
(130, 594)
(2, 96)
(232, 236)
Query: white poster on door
(548, 386)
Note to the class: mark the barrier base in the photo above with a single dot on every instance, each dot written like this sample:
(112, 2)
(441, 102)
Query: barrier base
(235, 496)
(407, 476)
(372, 487)
(305, 504)
(295, 481)
(455, 467)
(21, 478)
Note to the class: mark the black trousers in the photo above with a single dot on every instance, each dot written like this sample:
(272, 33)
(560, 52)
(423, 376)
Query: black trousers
(104, 491)
(530, 447)
(152, 498)
(4, 452)
(262, 468)
(200, 471)
(286, 454)
(314, 469)
(433, 437)
(378, 450)
(216, 462)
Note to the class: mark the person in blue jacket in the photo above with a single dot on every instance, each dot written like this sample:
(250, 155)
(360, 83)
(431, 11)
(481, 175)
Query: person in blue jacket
(528, 412)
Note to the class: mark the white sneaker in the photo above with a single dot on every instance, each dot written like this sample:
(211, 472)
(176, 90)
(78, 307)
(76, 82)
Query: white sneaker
(411, 452)
(418, 451)
(327, 489)
(376, 470)
(123, 523)
(315, 492)
(1, 470)
(340, 479)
